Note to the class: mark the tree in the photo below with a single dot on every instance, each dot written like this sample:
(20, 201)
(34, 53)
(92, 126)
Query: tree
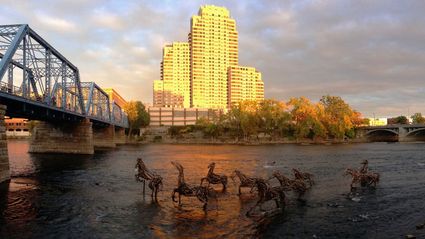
(417, 118)
(306, 117)
(398, 120)
(137, 116)
(338, 117)
(274, 118)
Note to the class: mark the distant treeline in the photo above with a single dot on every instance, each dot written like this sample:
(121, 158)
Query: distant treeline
(299, 118)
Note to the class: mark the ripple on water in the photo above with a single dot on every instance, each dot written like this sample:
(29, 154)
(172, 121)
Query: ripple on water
(70, 196)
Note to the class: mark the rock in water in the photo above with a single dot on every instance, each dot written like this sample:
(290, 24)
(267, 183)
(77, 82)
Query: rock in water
(410, 237)
(420, 226)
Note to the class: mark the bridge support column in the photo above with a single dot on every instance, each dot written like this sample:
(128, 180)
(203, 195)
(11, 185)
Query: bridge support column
(120, 137)
(73, 138)
(103, 137)
(402, 133)
(4, 157)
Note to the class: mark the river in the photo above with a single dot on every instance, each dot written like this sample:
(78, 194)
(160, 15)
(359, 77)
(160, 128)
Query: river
(70, 196)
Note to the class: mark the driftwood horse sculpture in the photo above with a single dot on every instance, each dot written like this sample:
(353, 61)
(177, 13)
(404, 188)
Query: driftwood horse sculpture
(213, 178)
(245, 181)
(363, 176)
(183, 189)
(287, 184)
(267, 193)
(143, 174)
(304, 176)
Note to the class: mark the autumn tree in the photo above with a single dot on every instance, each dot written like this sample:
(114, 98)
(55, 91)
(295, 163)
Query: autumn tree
(338, 116)
(417, 118)
(137, 116)
(306, 117)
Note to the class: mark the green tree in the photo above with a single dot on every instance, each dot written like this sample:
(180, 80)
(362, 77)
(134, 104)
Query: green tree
(398, 120)
(137, 116)
(274, 119)
(417, 118)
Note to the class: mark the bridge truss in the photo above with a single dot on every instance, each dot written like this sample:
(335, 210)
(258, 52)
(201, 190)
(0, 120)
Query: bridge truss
(34, 72)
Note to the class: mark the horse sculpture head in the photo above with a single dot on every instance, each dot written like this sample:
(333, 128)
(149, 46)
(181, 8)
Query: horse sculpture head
(211, 165)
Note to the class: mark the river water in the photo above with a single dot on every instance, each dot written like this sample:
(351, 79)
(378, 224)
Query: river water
(68, 196)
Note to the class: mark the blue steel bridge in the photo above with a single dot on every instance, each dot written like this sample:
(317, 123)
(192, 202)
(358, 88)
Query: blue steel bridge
(38, 83)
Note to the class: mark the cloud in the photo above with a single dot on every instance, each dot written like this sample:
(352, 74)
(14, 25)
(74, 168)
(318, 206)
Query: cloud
(371, 53)
(55, 23)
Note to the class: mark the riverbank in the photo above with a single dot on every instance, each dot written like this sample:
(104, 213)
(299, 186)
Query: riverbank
(199, 141)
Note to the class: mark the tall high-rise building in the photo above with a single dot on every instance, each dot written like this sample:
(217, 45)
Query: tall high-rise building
(244, 83)
(213, 42)
(204, 72)
(158, 93)
(175, 75)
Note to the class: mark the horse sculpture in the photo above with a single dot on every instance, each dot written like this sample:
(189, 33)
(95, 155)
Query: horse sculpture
(143, 174)
(267, 193)
(213, 178)
(363, 176)
(304, 176)
(201, 192)
(287, 184)
(245, 181)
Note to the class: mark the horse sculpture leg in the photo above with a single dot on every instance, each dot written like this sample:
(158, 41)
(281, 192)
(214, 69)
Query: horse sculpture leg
(143, 187)
(239, 190)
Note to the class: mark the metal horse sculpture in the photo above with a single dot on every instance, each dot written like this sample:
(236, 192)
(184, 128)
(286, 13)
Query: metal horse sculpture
(245, 181)
(287, 184)
(304, 176)
(143, 174)
(267, 193)
(213, 178)
(363, 176)
(201, 192)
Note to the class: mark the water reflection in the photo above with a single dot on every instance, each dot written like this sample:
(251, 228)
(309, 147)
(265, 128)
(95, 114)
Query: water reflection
(97, 196)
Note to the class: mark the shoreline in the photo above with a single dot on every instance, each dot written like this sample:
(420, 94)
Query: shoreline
(248, 143)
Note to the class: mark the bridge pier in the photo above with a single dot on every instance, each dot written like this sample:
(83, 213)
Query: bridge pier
(120, 137)
(4, 157)
(72, 138)
(104, 137)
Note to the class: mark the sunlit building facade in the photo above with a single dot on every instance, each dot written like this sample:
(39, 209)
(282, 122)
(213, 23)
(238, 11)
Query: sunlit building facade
(158, 90)
(175, 75)
(214, 47)
(115, 97)
(244, 83)
(205, 72)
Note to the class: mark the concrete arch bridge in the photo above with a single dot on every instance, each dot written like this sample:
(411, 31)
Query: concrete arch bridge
(393, 133)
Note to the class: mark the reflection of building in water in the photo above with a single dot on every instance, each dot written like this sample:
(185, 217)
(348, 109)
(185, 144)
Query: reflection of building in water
(164, 116)
(17, 127)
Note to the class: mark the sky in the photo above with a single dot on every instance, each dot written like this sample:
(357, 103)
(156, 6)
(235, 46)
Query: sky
(371, 53)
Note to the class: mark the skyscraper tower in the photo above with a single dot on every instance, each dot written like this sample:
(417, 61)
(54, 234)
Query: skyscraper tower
(175, 76)
(213, 41)
(205, 72)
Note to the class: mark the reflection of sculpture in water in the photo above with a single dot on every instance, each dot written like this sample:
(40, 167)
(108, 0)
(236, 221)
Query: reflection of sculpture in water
(267, 193)
(143, 174)
(363, 176)
(213, 178)
(245, 181)
(201, 192)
